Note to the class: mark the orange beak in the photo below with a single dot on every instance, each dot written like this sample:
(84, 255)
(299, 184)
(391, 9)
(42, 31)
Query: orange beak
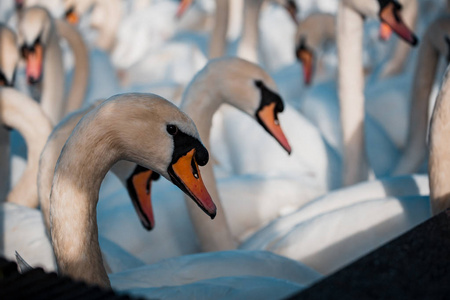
(307, 58)
(184, 5)
(34, 63)
(390, 15)
(72, 17)
(139, 188)
(186, 175)
(267, 117)
(385, 31)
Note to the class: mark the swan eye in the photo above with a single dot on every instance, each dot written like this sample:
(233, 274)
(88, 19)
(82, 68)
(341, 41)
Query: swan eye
(172, 129)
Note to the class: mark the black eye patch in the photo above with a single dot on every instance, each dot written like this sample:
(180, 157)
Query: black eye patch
(183, 143)
(268, 97)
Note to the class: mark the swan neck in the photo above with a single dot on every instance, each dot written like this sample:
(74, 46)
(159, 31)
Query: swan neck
(351, 93)
(248, 46)
(80, 79)
(200, 105)
(217, 46)
(53, 82)
(74, 198)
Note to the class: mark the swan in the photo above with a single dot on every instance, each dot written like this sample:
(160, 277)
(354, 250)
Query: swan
(200, 103)
(100, 132)
(432, 47)
(44, 69)
(101, 9)
(351, 78)
(248, 98)
(312, 33)
(168, 129)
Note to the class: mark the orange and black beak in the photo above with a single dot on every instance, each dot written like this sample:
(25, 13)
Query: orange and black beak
(267, 115)
(306, 56)
(182, 8)
(292, 9)
(71, 16)
(139, 186)
(390, 15)
(34, 56)
(184, 171)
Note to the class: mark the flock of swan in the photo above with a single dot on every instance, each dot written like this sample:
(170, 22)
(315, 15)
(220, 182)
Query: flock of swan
(292, 139)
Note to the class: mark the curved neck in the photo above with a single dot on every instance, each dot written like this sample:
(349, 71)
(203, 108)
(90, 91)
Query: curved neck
(248, 45)
(351, 93)
(218, 43)
(74, 198)
(424, 76)
(22, 113)
(53, 82)
(49, 157)
(439, 145)
(213, 235)
(80, 79)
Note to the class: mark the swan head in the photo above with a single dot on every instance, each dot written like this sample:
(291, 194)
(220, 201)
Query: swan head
(305, 55)
(9, 56)
(390, 16)
(74, 9)
(34, 34)
(247, 87)
(165, 140)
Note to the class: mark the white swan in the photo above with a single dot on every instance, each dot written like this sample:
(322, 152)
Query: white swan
(167, 129)
(112, 10)
(200, 102)
(37, 33)
(171, 128)
(312, 33)
(433, 46)
(247, 97)
(351, 78)
(40, 47)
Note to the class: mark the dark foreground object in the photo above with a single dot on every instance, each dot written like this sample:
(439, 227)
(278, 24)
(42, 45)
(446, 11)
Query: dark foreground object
(36, 284)
(416, 265)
